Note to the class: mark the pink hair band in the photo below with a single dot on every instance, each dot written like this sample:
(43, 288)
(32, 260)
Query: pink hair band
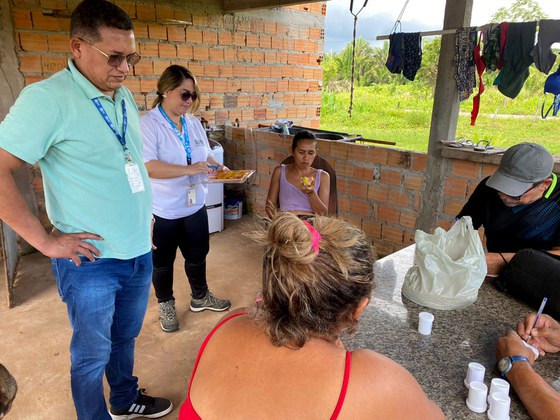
(315, 237)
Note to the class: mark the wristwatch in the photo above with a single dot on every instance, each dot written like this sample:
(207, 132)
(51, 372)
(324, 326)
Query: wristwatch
(505, 364)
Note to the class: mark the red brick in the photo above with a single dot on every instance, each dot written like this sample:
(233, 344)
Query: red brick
(488, 169)
(22, 19)
(53, 64)
(148, 49)
(185, 52)
(388, 214)
(339, 150)
(45, 23)
(265, 41)
(377, 155)
(160, 66)
(167, 51)
(392, 234)
(252, 40)
(230, 54)
(133, 83)
(365, 173)
(211, 70)
(466, 169)
(225, 38)
(391, 177)
(419, 162)
(176, 33)
(58, 43)
(371, 228)
(200, 52)
(413, 182)
(399, 197)
(148, 85)
(408, 219)
(453, 206)
(164, 12)
(238, 39)
(210, 38)
(358, 189)
(32, 79)
(146, 12)
(456, 187)
(343, 204)
(216, 54)
(398, 158)
(53, 4)
(33, 41)
(30, 63)
(194, 36)
(144, 68)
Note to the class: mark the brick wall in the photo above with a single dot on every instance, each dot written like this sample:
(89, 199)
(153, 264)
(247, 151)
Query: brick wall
(252, 66)
(379, 189)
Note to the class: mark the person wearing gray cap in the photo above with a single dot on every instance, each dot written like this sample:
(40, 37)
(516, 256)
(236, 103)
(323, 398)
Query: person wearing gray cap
(519, 205)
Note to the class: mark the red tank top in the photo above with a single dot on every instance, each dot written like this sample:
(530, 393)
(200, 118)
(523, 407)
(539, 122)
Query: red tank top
(188, 412)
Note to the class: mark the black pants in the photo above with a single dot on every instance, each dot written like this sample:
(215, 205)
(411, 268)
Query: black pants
(190, 235)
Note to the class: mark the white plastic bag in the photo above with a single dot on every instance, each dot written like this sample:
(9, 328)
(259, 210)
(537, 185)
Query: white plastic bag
(449, 267)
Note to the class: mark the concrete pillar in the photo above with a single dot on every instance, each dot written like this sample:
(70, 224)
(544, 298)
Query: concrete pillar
(11, 84)
(444, 115)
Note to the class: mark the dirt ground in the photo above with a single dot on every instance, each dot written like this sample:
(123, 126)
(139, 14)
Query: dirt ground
(35, 334)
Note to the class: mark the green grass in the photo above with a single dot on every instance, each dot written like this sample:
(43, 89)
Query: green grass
(402, 113)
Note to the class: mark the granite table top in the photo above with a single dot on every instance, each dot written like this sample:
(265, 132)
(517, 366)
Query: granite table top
(439, 361)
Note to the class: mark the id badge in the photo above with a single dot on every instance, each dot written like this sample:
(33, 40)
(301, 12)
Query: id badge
(191, 196)
(134, 178)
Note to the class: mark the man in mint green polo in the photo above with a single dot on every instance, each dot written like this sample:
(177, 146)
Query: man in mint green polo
(82, 126)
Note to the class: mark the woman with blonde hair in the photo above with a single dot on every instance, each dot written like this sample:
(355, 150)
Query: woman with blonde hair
(283, 358)
(178, 158)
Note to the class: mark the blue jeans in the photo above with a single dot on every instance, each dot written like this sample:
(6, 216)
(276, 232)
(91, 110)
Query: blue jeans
(106, 301)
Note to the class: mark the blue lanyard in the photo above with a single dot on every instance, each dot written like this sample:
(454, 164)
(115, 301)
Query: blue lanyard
(183, 137)
(122, 139)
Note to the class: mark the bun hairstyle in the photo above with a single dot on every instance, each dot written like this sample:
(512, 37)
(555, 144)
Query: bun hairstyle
(171, 78)
(302, 135)
(312, 284)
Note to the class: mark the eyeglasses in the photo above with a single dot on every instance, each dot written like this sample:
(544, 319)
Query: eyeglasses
(185, 96)
(115, 60)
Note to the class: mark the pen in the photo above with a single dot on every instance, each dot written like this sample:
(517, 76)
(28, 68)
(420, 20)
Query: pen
(539, 313)
(213, 166)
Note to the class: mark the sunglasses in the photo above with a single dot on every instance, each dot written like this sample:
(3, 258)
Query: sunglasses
(185, 96)
(115, 60)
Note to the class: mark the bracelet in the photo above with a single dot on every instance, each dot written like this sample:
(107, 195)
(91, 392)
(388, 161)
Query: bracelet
(503, 258)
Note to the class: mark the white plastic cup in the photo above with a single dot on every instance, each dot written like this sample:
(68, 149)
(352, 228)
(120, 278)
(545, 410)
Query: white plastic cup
(498, 386)
(476, 401)
(425, 321)
(475, 372)
(499, 407)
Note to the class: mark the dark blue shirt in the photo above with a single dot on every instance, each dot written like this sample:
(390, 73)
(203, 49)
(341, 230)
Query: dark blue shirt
(509, 229)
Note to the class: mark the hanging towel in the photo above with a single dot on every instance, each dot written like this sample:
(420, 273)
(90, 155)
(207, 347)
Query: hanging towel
(480, 66)
(552, 85)
(412, 54)
(549, 33)
(394, 60)
(464, 62)
(504, 27)
(517, 58)
(491, 50)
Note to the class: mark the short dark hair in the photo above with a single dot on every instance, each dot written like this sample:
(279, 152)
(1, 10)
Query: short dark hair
(302, 135)
(90, 15)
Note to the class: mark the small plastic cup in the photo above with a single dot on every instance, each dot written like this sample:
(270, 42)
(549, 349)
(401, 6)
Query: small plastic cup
(476, 401)
(475, 372)
(425, 321)
(498, 386)
(499, 407)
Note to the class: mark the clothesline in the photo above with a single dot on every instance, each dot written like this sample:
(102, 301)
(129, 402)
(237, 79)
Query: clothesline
(425, 33)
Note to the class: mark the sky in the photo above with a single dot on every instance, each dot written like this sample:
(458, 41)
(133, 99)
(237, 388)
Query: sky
(378, 17)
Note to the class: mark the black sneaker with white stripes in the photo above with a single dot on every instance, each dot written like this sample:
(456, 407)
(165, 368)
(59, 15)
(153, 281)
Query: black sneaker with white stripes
(144, 406)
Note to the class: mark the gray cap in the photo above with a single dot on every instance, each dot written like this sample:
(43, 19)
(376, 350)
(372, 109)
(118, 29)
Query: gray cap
(522, 166)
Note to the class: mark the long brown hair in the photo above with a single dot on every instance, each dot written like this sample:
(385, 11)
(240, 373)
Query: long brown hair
(309, 292)
(171, 78)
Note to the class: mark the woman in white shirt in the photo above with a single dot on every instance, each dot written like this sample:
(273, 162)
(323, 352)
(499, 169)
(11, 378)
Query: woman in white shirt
(178, 158)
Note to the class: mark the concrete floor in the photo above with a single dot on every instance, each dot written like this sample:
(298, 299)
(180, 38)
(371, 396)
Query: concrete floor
(35, 334)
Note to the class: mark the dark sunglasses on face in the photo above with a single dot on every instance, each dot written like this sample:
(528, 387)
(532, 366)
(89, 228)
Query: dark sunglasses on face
(115, 60)
(185, 96)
